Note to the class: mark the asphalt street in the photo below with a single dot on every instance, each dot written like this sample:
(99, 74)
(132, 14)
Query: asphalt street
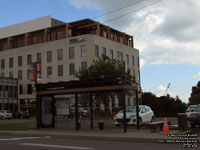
(48, 143)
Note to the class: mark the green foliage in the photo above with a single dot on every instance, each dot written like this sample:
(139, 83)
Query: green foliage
(103, 67)
(195, 95)
(164, 105)
(194, 99)
(151, 100)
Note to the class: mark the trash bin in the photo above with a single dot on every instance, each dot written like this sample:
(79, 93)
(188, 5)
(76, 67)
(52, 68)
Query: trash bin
(182, 121)
(101, 125)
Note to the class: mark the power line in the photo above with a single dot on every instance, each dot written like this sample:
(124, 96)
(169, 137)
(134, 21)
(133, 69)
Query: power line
(133, 11)
(110, 12)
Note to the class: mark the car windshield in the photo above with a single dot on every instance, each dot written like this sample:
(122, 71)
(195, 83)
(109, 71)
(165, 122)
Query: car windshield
(192, 107)
(130, 109)
(197, 108)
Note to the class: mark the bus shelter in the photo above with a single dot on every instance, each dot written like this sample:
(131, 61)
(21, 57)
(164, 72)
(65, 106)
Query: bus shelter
(46, 102)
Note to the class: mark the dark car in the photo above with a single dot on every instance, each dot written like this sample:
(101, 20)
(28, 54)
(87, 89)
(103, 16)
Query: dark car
(195, 117)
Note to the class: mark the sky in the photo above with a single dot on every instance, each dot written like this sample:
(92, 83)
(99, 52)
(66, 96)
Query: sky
(166, 32)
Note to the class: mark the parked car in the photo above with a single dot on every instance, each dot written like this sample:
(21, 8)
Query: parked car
(84, 112)
(190, 109)
(22, 115)
(195, 117)
(146, 115)
(6, 114)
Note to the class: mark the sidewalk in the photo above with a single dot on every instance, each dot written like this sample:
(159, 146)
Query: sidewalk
(95, 134)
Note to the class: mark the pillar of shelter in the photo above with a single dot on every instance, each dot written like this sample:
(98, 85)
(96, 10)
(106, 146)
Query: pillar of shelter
(76, 112)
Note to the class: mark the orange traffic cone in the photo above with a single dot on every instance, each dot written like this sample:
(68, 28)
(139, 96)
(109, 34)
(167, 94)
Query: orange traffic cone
(165, 126)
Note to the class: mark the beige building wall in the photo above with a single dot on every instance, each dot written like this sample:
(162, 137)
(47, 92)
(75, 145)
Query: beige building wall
(90, 42)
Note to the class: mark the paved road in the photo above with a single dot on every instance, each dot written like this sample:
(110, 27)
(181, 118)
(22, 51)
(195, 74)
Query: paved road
(47, 143)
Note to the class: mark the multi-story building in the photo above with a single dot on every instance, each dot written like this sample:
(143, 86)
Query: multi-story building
(8, 94)
(62, 48)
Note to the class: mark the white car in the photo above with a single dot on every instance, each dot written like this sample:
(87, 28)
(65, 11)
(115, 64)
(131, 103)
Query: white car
(146, 115)
(190, 109)
(6, 114)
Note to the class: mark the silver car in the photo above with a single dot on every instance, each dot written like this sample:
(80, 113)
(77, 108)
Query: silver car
(6, 114)
(146, 115)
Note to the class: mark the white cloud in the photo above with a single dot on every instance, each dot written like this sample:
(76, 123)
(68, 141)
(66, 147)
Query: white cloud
(162, 91)
(165, 33)
(196, 76)
(142, 63)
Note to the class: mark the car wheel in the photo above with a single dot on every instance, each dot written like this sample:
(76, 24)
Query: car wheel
(192, 125)
(117, 125)
(2, 117)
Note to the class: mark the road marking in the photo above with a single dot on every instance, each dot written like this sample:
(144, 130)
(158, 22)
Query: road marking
(22, 138)
(56, 146)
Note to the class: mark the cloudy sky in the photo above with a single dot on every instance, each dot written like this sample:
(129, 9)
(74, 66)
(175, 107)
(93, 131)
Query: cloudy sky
(165, 31)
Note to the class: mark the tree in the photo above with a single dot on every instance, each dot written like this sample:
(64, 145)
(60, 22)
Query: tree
(151, 100)
(164, 105)
(104, 67)
(195, 95)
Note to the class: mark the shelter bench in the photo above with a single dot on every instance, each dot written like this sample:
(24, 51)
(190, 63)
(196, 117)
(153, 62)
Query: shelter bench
(157, 124)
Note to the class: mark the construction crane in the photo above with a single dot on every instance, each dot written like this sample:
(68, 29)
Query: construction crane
(166, 91)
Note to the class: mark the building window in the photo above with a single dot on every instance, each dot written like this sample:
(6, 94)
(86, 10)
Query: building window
(29, 59)
(83, 51)
(139, 75)
(112, 36)
(104, 50)
(58, 35)
(138, 59)
(111, 53)
(133, 60)
(127, 58)
(104, 34)
(10, 74)
(20, 75)
(28, 74)
(3, 64)
(48, 36)
(49, 56)
(60, 54)
(19, 60)
(11, 44)
(71, 69)
(96, 50)
(11, 62)
(20, 42)
(118, 39)
(49, 71)
(2, 74)
(39, 58)
(28, 40)
(60, 70)
(84, 65)
(29, 89)
(20, 89)
(1, 47)
(71, 53)
(40, 38)
(120, 56)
